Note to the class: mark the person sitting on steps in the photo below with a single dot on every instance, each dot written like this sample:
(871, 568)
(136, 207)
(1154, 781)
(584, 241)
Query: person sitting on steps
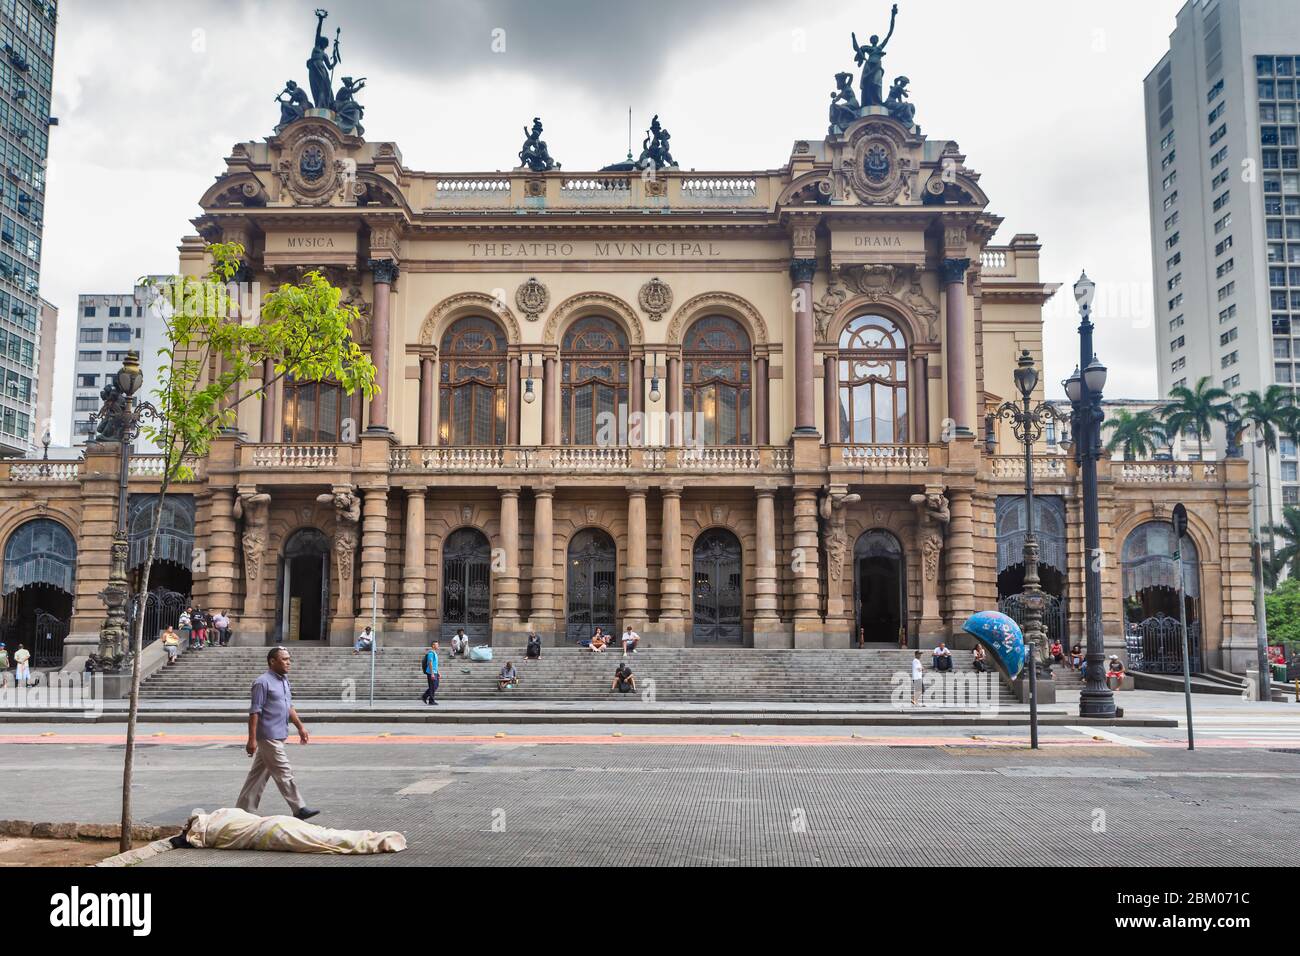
(599, 641)
(534, 651)
(942, 657)
(623, 682)
(460, 643)
(508, 677)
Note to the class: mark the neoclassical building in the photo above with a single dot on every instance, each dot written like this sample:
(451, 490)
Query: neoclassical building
(737, 407)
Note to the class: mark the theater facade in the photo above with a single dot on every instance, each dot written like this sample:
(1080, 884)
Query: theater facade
(737, 407)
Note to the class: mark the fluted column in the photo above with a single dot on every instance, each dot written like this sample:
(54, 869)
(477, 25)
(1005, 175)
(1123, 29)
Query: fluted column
(428, 389)
(512, 401)
(959, 554)
(269, 411)
(805, 410)
(635, 572)
(920, 401)
(961, 364)
(807, 590)
(222, 551)
(830, 398)
(506, 576)
(636, 390)
(550, 401)
(543, 576)
(414, 575)
(676, 430)
(766, 615)
(374, 540)
(762, 409)
(384, 272)
(672, 617)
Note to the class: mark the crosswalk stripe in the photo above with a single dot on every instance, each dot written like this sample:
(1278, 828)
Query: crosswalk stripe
(1112, 737)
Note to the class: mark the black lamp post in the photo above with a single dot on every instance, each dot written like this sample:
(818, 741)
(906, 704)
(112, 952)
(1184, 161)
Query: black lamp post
(1027, 423)
(1084, 390)
(119, 421)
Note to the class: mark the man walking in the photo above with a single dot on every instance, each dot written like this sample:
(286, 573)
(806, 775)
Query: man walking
(269, 715)
(430, 668)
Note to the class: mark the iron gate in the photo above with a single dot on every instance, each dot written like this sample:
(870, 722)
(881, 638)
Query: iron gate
(47, 649)
(1155, 646)
(162, 609)
(467, 586)
(1013, 607)
(717, 611)
(592, 591)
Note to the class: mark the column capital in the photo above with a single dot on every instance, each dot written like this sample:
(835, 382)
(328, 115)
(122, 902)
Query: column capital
(803, 270)
(385, 271)
(954, 270)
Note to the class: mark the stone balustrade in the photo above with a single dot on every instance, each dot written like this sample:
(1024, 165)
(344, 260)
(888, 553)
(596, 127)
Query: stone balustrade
(293, 456)
(882, 457)
(593, 460)
(1050, 467)
(1166, 472)
(152, 466)
(44, 470)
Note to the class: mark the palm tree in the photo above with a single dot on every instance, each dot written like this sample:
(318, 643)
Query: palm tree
(1288, 557)
(1139, 435)
(1268, 414)
(1197, 410)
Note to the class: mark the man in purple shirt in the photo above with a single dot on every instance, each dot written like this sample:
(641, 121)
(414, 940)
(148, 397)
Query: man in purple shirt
(269, 715)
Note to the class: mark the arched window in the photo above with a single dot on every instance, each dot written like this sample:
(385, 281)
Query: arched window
(716, 396)
(594, 392)
(314, 412)
(873, 382)
(41, 551)
(1152, 625)
(472, 386)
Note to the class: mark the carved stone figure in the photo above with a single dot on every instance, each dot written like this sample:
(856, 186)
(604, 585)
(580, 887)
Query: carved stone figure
(825, 310)
(833, 511)
(110, 422)
(535, 155)
(932, 517)
(871, 58)
(255, 510)
(933, 508)
(320, 66)
(897, 103)
(294, 103)
(347, 521)
(931, 548)
(349, 110)
(845, 107)
(655, 153)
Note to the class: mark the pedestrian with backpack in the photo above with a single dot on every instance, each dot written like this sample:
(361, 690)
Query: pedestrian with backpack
(430, 667)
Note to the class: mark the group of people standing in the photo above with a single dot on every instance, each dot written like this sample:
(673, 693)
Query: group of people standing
(199, 628)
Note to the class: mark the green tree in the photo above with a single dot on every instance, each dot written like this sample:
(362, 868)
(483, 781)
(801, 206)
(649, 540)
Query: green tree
(211, 347)
(1268, 414)
(1283, 613)
(1288, 556)
(1139, 435)
(1195, 410)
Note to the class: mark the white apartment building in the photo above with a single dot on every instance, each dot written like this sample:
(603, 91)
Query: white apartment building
(1223, 158)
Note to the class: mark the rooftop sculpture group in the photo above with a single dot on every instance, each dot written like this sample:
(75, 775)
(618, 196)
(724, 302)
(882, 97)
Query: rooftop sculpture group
(845, 104)
(294, 101)
(535, 155)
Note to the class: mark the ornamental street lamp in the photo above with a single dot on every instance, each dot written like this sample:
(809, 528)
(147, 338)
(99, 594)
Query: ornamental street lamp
(1084, 390)
(1027, 423)
(118, 420)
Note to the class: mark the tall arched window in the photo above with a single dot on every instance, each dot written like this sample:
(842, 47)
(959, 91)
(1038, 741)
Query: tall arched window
(716, 384)
(472, 387)
(314, 412)
(594, 392)
(873, 382)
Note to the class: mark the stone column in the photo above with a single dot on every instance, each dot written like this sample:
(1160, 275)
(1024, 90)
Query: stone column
(543, 575)
(762, 410)
(961, 364)
(428, 389)
(270, 414)
(676, 432)
(635, 571)
(512, 400)
(222, 551)
(831, 398)
(384, 272)
(805, 410)
(414, 574)
(672, 617)
(920, 400)
(505, 580)
(959, 563)
(551, 401)
(374, 537)
(807, 591)
(767, 623)
(636, 389)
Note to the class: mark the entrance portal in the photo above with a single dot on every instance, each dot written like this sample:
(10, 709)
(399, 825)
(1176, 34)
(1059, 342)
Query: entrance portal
(304, 587)
(592, 590)
(879, 589)
(467, 585)
(40, 561)
(717, 605)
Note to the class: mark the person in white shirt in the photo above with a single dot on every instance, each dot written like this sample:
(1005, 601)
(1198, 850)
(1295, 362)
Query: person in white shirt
(630, 640)
(23, 673)
(365, 640)
(918, 679)
(460, 644)
(942, 657)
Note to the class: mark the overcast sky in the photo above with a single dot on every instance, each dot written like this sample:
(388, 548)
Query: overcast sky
(1044, 98)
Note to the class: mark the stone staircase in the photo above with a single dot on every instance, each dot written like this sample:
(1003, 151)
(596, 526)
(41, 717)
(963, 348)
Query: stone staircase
(695, 675)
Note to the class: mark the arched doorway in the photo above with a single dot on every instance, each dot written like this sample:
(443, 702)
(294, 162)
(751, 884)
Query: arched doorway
(1153, 632)
(40, 560)
(170, 575)
(303, 587)
(717, 609)
(467, 585)
(591, 593)
(879, 589)
(1049, 530)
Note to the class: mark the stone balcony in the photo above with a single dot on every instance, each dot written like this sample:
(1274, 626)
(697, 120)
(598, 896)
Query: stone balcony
(665, 189)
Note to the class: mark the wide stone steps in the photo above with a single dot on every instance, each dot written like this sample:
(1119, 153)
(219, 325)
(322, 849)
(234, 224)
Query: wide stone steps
(691, 674)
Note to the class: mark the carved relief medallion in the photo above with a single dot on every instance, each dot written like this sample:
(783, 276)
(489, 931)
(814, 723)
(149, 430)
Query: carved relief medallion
(532, 298)
(879, 167)
(656, 298)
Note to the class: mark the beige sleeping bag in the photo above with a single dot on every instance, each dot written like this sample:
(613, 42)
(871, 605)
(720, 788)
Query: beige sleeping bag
(231, 829)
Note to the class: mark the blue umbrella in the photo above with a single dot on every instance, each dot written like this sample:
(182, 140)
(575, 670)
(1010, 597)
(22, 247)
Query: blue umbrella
(1002, 636)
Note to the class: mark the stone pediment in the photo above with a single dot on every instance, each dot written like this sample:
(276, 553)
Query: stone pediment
(315, 164)
(875, 162)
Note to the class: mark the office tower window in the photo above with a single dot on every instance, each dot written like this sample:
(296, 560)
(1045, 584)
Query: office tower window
(1228, 336)
(1218, 134)
(1288, 471)
(90, 356)
(1217, 112)
(1176, 323)
(1168, 160)
(1282, 374)
(1171, 199)
(91, 335)
(1167, 141)
(1222, 201)
(1229, 383)
(1173, 260)
(1176, 302)
(1177, 343)
(1174, 282)
(1179, 364)
(1281, 348)
(1171, 179)
(1281, 325)
(1223, 247)
(87, 381)
(1223, 269)
(1223, 224)
(1171, 220)
(1220, 179)
(1227, 290)
(1229, 360)
(1171, 241)
(89, 312)
(1181, 383)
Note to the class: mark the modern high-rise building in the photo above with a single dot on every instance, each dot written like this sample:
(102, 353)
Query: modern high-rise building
(1224, 174)
(26, 67)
